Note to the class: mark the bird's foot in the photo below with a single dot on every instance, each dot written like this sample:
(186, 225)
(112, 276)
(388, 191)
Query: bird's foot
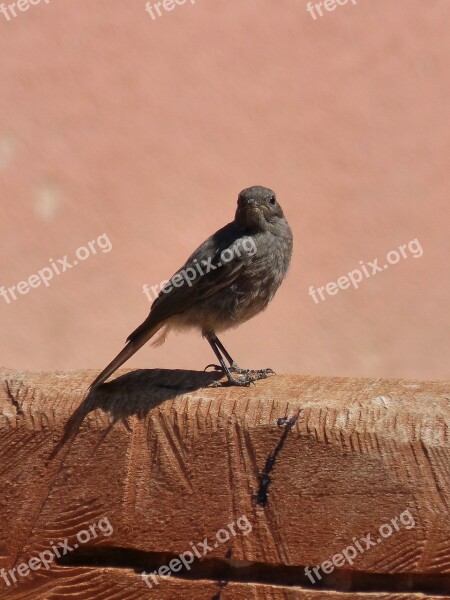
(235, 369)
(256, 373)
(264, 373)
(244, 381)
(260, 374)
(248, 378)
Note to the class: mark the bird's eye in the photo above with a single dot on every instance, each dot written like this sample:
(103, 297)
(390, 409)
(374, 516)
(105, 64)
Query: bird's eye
(272, 200)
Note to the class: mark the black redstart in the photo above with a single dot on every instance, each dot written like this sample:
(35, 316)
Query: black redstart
(228, 280)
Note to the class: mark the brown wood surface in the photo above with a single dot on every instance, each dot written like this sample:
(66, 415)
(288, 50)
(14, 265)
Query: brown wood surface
(314, 464)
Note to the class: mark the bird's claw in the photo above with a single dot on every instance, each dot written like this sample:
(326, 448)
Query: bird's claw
(249, 376)
(235, 369)
(265, 372)
(256, 373)
(243, 382)
(215, 367)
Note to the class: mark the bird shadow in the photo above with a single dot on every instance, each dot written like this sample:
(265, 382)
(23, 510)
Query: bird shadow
(135, 393)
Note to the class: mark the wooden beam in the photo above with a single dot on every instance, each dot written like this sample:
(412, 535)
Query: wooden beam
(349, 478)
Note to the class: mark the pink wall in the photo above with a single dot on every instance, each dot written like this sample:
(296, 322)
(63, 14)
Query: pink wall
(146, 130)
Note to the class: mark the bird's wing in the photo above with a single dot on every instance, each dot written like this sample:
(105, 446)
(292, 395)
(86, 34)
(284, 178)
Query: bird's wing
(217, 275)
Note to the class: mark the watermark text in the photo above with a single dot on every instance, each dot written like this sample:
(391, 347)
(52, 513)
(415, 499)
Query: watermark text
(355, 277)
(61, 265)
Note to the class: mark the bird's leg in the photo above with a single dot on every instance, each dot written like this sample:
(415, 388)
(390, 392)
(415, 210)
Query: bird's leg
(261, 373)
(219, 350)
(243, 381)
(233, 366)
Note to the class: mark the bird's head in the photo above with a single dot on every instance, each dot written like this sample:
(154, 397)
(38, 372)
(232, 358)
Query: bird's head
(258, 209)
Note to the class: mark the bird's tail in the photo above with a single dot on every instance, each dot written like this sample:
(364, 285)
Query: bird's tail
(133, 344)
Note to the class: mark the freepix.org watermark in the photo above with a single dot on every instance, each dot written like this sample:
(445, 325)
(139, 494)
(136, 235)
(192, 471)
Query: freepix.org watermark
(188, 276)
(44, 559)
(360, 546)
(355, 277)
(157, 9)
(315, 10)
(10, 11)
(199, 550)
(61, 265)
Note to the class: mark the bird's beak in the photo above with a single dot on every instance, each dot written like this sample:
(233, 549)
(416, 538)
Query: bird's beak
(252, 205)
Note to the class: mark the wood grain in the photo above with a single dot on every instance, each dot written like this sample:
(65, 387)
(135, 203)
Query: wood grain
(308, 465)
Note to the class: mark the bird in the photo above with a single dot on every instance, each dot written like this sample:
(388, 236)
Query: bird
(230, 278)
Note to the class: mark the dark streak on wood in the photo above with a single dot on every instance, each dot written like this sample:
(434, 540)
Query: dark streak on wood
(13, 399)
(224, 571)
(261, 497)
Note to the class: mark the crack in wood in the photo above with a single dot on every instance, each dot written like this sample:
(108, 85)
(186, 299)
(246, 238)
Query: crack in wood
(13, 399)
(261, 497)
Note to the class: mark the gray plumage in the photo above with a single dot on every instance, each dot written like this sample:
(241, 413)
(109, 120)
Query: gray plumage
(225, 292)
